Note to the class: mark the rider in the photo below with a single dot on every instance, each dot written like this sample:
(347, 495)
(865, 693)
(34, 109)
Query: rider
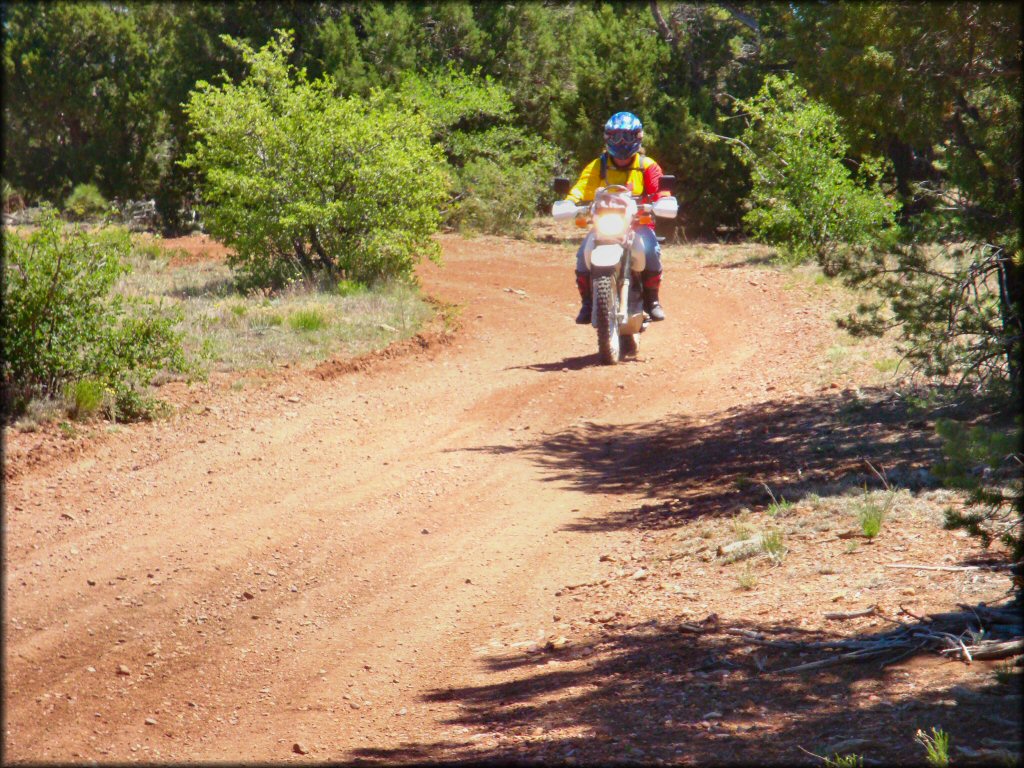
(622, 162)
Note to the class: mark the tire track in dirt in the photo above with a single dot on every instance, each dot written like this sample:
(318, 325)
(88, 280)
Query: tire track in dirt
(331, 494)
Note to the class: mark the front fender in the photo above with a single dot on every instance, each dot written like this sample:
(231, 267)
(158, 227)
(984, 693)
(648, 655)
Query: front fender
(605, 256)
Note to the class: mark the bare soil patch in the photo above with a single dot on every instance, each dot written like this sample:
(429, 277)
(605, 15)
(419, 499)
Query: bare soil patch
(483, 545)
(194, 249)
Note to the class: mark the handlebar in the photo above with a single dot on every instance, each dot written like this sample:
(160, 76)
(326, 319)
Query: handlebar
(665, 207)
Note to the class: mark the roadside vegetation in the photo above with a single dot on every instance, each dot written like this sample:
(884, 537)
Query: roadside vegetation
(107, 313)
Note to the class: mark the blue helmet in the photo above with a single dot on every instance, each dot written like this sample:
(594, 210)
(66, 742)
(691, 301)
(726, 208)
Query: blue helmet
(622, 134)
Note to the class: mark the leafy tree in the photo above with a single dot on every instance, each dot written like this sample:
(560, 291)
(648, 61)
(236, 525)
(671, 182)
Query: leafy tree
(186, 48)
(500, 171)
(905, 77)
(938, 87)
(342, 58)
(527, 44)
(614, 58)
(299, 182)
(804, 200)
(77, 99)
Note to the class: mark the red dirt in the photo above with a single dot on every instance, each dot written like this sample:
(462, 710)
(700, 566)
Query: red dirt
(365, 559)
(193, 249)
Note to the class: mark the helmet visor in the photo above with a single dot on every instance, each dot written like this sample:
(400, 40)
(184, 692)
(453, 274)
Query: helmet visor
(622, 143)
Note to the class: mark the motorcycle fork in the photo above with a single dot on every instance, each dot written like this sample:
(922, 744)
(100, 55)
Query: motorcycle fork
(624, 297)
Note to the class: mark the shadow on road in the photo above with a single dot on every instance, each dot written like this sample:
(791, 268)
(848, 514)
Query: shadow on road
(651, 693)
(689, 467)
(576, 363)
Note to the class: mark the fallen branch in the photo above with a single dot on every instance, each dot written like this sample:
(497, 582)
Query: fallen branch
(853, 614)
(861, 655)
(992, 650)
(997, 567)
(758, 639)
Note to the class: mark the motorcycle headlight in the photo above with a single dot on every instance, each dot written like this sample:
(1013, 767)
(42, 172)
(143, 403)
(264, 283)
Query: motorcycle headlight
(611, 224)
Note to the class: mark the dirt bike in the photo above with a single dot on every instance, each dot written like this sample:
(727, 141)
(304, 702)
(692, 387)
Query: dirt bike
(618, 305)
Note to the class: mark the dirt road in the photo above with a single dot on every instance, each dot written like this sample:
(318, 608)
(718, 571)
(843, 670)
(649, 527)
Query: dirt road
(308, 565)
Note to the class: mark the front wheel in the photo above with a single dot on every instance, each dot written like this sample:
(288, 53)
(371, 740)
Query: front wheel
(606, 304)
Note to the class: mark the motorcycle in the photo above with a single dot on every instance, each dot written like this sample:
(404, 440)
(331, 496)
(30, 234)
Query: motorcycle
(618, 306)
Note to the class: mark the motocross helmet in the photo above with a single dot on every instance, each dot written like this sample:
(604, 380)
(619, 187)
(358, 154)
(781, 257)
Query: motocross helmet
(622, 134)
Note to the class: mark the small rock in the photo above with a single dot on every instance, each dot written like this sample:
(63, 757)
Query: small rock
(639, 575)
(299, 748)
(248, 595)
(91, 582)
(150, 721)
(424, 531)
(713, 715)
(908, 591)
(557, 644)
(123, 670)
(353, 704)
(90, 669)
(293, 399)
(607, 559)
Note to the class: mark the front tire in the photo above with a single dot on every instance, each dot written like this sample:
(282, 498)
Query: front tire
(606, 306)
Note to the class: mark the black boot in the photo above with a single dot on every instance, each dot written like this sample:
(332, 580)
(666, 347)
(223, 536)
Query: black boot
(586, 296)
(652, 284)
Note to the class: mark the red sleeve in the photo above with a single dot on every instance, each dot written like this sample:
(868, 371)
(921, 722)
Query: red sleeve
(652, 180)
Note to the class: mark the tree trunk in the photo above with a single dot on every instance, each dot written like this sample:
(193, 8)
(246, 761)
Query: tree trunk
(1011, 306)
(328, 263)
(303, 258)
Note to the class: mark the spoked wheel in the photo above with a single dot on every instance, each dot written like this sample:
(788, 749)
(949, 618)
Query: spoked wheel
(607, 305)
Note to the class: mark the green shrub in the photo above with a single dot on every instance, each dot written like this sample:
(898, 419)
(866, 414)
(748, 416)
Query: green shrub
(63, 323)
(84, 398)
(12, 198)
(871, 516)
(307, 320)
(803, 198)
(773, 545)
(748, 579)
(300, 183)
(262, 321)
(936, 746)
(131, 403)
(85, 202)
(350, 288)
